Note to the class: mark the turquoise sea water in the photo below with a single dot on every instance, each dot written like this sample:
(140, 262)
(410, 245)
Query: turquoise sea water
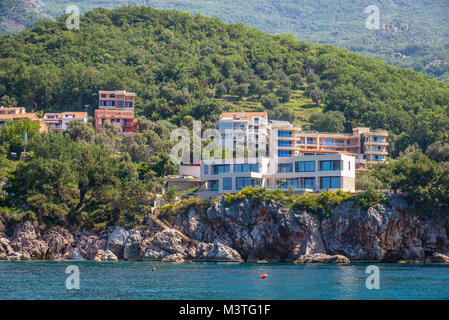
(136, 280)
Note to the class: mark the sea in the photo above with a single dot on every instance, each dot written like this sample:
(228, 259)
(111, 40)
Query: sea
(225, 281)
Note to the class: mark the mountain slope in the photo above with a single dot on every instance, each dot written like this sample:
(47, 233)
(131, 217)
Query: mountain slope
(184, 66)
(413, 33)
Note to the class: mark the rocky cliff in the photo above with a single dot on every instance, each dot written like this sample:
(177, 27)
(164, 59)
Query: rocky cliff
(266, 231)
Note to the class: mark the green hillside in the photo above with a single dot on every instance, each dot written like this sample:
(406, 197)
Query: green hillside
(184, 66)
(413, 33)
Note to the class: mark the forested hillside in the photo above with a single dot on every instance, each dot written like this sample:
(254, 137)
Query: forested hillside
(184, 66)
(413, 33)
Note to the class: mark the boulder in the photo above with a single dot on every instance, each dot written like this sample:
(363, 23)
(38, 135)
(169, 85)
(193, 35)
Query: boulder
(5, 248)
(59, 243)
(176, 257)
(107, 255)
(322, 258)
(88, 245)
(131, 249)
(217, 252)
(26, 242)
(116, 241)
(439, 258)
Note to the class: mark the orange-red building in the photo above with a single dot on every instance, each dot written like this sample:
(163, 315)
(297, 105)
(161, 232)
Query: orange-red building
(124, 119)
(13, 114)
(117, 108)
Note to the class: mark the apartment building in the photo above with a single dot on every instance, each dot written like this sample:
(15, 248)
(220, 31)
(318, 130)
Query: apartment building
(59, 121)
(117, 99)
(243, 129)
(21, 114)
(301, 173)
(117, 108)
(366, 145)
(12, 110)
(123, 119)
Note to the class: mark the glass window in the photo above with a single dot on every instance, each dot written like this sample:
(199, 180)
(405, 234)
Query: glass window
(330, 165)
(308, 183)
(284, 143)
(242, 182)
(129, 104)
(284, 133)
(206, 169)
(284, 153)
(247, 167)
(330, 182)
(285, 167)
(254, 167)
(309, 141)
(213, 185)
(305, 166)
(220, 168)
(256, 182)
(120, 104)
(287, 183)
(227, 183)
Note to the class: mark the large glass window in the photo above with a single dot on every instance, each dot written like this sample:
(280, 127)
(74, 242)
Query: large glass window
(206, 169)
(284, 133)
(308, 183)
(220, 168)
(330, 165)
(284, 143)
(284, 153)
(305, 166)
(227, 183)
(330, 182)
(285, 184)
(241, 183)
(285, 167)
(309, 141)
(246, 167)
(120, 104)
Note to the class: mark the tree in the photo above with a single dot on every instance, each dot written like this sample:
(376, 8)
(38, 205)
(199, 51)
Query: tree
(170, 195)
(80, 131)
(284, 93)
(11, 133)
(332, 121)
(270, 101)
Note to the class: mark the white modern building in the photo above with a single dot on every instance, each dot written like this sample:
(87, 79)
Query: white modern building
(59, 121)
(302, 173)
(244, 130)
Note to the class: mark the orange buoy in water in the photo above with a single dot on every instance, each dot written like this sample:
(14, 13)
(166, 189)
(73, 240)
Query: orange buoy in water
(154, 268)
(263, 276)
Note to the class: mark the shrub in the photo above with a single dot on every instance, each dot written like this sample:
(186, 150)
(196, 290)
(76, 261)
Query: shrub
(256, 195)
(370, 198)
(320, 204)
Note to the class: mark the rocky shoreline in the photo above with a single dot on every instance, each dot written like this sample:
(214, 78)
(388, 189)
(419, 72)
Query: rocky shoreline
(247, 232)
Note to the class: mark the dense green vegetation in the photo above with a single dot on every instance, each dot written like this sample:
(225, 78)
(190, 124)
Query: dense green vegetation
(83, 179)
(413, 33)
(181, 65)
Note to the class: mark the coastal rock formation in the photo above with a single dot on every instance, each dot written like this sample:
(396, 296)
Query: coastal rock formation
(439, 258)
(116, 241)
(247, 231)
(26, 241)
(265, 231)
(322, 258)
(131, 250)
(107, 255)
(5, 248)
(169, 245)
(59, 243)
(387, 233)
